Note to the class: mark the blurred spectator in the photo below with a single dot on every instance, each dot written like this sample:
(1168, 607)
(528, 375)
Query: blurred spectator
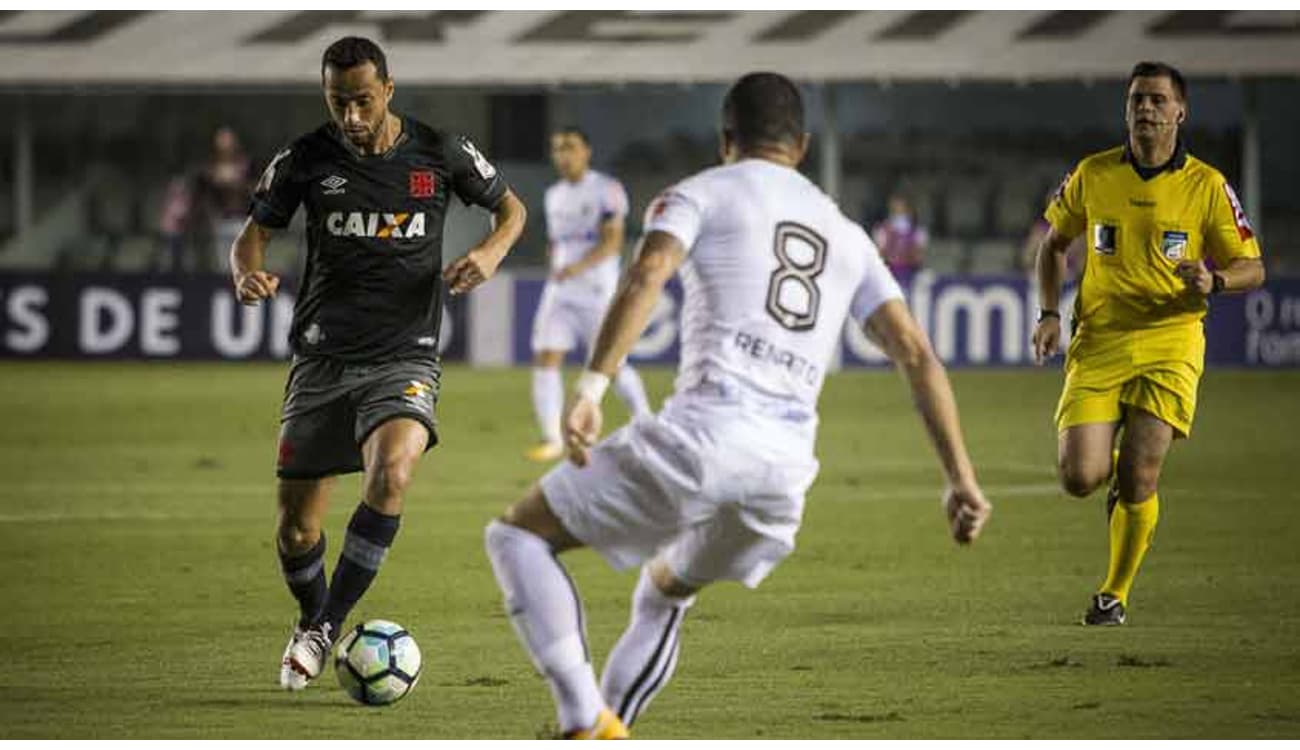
(901, 238)
(1029, 251)
(173, 222)
(222, 192)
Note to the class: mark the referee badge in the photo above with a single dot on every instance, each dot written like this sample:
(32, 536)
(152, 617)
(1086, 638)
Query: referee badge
(1103, 239)
(1174, 245)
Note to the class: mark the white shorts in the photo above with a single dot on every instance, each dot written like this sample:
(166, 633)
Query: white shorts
(717, 492)
(568, 316)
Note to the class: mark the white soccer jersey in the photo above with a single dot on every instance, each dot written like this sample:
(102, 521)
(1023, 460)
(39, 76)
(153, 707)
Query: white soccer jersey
(773, 271)
(575, 212)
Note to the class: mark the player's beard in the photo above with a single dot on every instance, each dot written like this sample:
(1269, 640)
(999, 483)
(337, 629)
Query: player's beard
(364, 138)
(367, 137)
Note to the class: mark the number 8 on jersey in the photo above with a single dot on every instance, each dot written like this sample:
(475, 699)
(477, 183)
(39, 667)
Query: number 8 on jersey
(792, 296)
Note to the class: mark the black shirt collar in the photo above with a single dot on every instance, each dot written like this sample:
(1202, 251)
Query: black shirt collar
(1176, 162)
(347, 145)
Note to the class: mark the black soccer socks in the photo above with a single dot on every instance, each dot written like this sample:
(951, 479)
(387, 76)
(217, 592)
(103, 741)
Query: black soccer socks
(305, 574)
(370, 534)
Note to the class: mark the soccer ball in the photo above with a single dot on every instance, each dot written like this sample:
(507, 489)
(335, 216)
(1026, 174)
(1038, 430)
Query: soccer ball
(377, 662)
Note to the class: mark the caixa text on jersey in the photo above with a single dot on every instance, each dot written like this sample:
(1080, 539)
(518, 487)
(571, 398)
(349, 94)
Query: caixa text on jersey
(375, 224)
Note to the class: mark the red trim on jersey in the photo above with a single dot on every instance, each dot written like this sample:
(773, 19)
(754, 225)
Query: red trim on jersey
(1244, 230)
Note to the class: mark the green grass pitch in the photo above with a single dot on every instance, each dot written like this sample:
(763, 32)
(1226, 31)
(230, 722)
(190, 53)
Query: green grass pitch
(141, 595)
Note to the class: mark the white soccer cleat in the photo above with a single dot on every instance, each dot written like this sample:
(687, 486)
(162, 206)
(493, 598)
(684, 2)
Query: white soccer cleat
(289, 678)
(307, 653)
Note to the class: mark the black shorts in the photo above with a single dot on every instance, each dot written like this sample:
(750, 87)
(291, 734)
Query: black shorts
(331, 407)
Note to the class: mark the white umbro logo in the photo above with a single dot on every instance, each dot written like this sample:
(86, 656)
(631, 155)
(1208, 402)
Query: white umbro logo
(333, 184)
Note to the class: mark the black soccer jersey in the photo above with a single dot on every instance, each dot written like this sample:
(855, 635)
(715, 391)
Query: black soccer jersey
(372, 288)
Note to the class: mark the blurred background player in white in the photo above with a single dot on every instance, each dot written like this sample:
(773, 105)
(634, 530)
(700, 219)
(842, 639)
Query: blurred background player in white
(712, 488)
(585, 213)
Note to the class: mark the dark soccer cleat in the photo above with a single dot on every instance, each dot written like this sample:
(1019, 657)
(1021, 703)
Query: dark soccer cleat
(1105, 610)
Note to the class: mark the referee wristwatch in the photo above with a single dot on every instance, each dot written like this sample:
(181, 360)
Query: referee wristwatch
(1045, 314)
(1216, 283)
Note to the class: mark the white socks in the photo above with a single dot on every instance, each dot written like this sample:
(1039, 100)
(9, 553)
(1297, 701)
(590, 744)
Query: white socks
(547, 615)
(548, 401)
(548, 398)
(646, 655)
(628, 386)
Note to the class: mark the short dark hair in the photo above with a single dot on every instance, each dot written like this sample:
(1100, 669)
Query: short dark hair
(763, 108)
(351, 51)
(572, 130)
(1147, 69)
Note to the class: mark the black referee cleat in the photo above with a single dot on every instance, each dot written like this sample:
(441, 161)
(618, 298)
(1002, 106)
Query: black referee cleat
(1105, 610)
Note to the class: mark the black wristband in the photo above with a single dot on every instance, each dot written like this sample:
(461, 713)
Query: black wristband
(1045, 314)
(1216, 283)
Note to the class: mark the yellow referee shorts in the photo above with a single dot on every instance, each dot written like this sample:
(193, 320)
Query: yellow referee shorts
(1156, 371)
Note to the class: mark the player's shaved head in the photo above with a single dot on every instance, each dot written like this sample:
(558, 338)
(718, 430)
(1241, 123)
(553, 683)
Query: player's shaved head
(763, 109)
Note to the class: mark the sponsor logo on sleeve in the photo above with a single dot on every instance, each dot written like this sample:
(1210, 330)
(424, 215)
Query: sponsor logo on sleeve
(268, 176)
(1244, 230)
(481, 164)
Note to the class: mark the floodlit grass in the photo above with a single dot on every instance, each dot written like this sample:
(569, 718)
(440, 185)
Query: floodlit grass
(142, 597)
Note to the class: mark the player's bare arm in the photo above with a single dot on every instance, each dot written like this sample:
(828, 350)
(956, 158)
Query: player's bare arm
(1241, 275)
(1051, 271)
(481, 262)
(247, 254)
(907, 345)
(629, 312)
(610, 243)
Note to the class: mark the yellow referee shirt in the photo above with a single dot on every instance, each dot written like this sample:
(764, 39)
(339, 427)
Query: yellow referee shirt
(1138, 230)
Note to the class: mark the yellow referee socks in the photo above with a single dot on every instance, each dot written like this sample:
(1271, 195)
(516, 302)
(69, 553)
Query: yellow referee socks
(1131, 529)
